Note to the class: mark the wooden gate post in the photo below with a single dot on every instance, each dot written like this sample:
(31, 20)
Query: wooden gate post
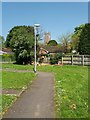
(83, 60)
(72, 59)
(62, 60)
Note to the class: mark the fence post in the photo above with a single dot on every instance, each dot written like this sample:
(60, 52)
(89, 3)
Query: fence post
(62, 60)
(83, 60)
(72, 59)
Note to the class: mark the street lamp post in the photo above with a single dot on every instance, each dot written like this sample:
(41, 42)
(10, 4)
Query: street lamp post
(36, 26)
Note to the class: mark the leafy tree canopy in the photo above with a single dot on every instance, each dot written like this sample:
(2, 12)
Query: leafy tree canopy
(65, 42)
(84, 40)
(78, 29)
(21, 40)
(2, 41)
(75, 37)
(52, 43)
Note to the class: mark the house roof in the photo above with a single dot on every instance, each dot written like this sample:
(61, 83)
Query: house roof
(53, 49)
(44, 49)
(7, 50)
(2, 52)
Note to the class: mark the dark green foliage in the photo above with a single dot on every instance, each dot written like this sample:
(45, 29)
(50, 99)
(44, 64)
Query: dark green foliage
(2, 41)
(53, 61)
(75, 37)
(55, 58)
(52, 43)
(21, 40)
(78, 29)
(84, 40)
(41, 60)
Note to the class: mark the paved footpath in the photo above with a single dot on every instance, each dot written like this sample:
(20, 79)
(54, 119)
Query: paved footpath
(37, 101)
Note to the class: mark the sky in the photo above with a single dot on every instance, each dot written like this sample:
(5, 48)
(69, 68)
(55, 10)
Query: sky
(58, 18)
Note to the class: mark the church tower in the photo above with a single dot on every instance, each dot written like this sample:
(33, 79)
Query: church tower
(47, 37)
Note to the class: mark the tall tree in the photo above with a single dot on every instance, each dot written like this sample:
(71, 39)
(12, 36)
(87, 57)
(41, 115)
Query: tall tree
(21, 40)
(2, 41)
(84, 40)
(75, 37)
(65, 42)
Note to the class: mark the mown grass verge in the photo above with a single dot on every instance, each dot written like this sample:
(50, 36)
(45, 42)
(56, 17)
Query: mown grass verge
(5, 102)
(16, 80)
(17, 67)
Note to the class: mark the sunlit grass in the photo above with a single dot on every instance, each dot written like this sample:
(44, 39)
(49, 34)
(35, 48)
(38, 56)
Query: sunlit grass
(71, 89)
(17, 67)
(72, 92)
(16, 80)
(5, 102)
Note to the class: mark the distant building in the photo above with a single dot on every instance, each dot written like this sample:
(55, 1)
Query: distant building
(2, 52)
(47, 37)
(48, 50)
(6, 51)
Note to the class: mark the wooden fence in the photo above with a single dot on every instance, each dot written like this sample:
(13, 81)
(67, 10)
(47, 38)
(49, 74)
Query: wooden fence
(76, 59)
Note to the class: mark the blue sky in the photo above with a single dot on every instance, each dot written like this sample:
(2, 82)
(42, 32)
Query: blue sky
(57, 18)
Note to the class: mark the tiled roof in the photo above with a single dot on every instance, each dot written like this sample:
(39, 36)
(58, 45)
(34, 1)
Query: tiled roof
(53, 49)
(7, 50)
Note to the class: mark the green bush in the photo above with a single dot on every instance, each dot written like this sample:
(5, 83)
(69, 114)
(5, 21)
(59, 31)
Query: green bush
(53, 61)
(7, 57)
(55, 58)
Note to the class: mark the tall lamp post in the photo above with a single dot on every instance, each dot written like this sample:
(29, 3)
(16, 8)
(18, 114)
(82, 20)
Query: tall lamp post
(36, 27)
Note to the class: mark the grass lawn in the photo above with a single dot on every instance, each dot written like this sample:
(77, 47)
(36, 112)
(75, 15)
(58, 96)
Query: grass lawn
(16, 80)
(6, 101)
(17, 67)
(72, 92)
(71, 88)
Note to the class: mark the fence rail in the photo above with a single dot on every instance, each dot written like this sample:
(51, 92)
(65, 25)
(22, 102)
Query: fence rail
(76, 59)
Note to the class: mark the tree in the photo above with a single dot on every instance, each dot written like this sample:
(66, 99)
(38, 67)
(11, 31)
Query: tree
(75, 37)
(84, 40)
(65, 42)
(74, 42)
(21, 40)
(52, 43)
(2, 41)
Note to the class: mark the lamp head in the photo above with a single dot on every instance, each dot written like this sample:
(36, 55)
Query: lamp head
(37, 25)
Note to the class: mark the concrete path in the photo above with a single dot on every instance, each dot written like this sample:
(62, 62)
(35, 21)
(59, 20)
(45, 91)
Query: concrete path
(37, 101)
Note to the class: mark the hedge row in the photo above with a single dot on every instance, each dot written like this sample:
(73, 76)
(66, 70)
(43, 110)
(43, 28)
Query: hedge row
(7, 57)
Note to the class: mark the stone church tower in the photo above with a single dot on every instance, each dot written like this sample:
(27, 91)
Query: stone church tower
(47, 37)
